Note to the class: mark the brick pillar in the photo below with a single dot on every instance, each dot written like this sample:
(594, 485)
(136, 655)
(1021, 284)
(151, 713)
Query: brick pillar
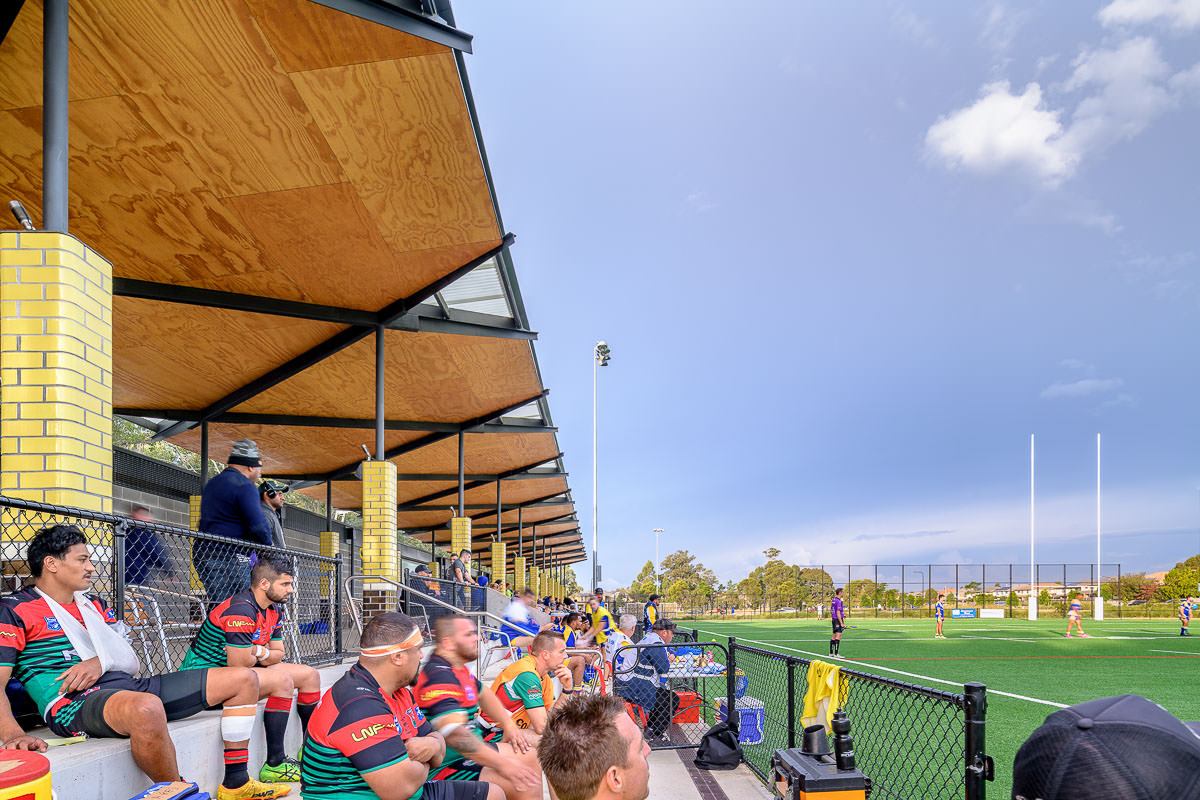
(56, 370)
(331, 547)
(434, 569)
(532, 583)
(518, 579)
(194, 524)
(460, 534)
(499, 560)
(379, 536)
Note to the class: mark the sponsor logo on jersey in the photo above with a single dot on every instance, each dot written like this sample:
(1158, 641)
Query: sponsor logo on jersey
(369, 731)
(238, 623)
(52, 624)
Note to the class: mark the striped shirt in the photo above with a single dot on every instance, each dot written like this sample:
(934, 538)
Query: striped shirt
(238, 622)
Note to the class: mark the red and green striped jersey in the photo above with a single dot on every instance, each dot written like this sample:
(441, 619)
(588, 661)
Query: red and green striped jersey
(445, 689)
(238, 622)
(356, 729)
(33, 644)
(520, 688)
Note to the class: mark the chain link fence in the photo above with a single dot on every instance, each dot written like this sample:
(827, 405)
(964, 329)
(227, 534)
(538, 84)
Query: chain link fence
(911, 741)
(164, 579)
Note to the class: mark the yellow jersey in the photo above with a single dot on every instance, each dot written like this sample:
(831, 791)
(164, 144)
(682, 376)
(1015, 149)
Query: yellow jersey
(602, 622)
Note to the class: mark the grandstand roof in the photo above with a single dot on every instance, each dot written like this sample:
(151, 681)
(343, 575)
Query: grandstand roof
(274, 182)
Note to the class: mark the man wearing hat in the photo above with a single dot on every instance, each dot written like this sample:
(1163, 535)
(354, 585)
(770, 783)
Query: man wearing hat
(1114, 748)
(271, 493)
(230, 508)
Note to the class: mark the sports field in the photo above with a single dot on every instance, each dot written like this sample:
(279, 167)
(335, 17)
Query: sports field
(1029, 668)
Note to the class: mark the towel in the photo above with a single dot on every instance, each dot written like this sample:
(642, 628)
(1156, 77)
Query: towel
(824, 695)
(94, 638)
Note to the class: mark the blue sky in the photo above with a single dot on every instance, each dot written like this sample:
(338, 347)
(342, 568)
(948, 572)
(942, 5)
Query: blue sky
(848, 258)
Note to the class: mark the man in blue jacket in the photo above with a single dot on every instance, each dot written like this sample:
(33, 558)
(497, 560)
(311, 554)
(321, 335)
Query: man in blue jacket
(230, 507)
(646, 686)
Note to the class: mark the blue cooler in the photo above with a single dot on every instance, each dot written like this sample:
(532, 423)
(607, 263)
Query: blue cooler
(752, 716)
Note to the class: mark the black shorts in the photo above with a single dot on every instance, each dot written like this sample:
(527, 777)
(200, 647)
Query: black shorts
(462, 770)
(455, 790)
(182, 693)
(838, 627)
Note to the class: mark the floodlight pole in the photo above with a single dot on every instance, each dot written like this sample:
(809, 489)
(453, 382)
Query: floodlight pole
(1098, 607)
(1033, 610)
(600, 356)
(657, 573)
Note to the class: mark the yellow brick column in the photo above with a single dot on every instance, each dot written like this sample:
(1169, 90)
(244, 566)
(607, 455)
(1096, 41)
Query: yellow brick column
(331, 547)
(379, 536)
(194, 524)
(517, 578)
(460, 535)
(532, 583)
(433, 569)
(55, 370)
(499, 560)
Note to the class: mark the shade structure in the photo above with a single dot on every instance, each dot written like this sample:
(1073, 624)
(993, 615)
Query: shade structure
(275, 181)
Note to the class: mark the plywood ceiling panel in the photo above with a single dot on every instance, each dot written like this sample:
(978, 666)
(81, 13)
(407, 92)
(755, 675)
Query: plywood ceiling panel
(415, 165)
(484, 453)
(430, 377)
(21, 64)
(288, 450)
(224, 350)
(308, 36)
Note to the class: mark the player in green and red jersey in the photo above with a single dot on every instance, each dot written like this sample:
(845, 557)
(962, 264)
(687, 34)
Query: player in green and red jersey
(451, 697)
(78, 696)
(245, 631)
(368, 739)
(525, 687)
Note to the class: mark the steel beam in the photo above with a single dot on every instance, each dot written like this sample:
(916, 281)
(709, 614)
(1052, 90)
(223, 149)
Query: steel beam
(512, 473)
(512, 425)
(8, 15)
(55, 69)
(401, 19)
(334, 344)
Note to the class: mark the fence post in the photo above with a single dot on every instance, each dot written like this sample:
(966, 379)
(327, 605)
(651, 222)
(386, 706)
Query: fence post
(791, 704)
(120, 532)
(731, 717)
(336, 622)
(978, 763)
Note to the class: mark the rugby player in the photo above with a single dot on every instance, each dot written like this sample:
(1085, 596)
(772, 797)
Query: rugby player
(837, 616)
(569, 628)
(79, 696)
(451, 696)
(1075, 616)
(939, 614)
(524, 687)
(368, 739)
(245, 631)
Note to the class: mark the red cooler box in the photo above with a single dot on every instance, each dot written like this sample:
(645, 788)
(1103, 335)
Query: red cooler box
(689, 706)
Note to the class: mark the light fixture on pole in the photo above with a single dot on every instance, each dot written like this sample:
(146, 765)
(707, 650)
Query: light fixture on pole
(600, 357)
(657, 574)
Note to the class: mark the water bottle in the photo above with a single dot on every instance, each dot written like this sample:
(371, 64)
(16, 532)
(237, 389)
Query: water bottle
(843, 742)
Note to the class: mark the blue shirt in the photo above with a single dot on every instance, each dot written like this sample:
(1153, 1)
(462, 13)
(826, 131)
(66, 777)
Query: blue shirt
(938, 611)
(230, 507)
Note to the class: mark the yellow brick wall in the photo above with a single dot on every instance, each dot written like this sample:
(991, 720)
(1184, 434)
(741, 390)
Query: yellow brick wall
(532, 583)
(518, 579)
(55, 370)
(434, 569)
(194, 524)
(379, 519)
(499, 559)
(460, 535)
(331, 547)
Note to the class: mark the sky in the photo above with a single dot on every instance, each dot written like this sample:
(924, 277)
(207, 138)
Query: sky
(848, 258)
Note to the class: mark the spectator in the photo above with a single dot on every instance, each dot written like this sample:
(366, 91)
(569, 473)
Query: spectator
(1113, 747)
(145, 555)
(568, 628)
(525, 687)
(603, 623)
(651, 613)
(271, 493)
(460, 573)
(646, 686)
(622, 637)
(349, 754)
(592, 750)
(520, 626)
(56, 631)
(229, 507)
(599, 595)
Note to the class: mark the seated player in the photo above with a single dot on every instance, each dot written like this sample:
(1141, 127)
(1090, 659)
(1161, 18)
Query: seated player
(450, 696)
(520, 626)
(569, 628)
(50, 633)
(244, 631)
(1075, 616)
(524, 686)
(1185, 616)
(368, 739)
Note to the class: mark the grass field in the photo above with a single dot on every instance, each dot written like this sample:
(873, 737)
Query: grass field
(1029, 668)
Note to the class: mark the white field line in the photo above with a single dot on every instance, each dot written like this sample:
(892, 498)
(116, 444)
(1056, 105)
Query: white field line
(958, 686)
(1179, 652)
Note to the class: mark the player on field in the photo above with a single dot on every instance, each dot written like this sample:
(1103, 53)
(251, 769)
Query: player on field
(1185, 616)
(837, 615)
(245, 631)
(451, 696)
(55, 639)
(939, 614)
(1075, 616)
(525, 687)
(368, 739)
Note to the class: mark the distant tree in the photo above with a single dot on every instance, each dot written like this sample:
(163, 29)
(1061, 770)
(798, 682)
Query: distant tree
(860, 593)
(1180, 581)
(1044, 598)
(771, 553)
(968, 591)
(644, 584)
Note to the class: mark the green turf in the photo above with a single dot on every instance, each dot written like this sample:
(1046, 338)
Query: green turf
(1031, 659)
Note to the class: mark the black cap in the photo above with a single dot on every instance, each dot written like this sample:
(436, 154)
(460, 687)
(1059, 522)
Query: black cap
(269, 485)
(1122, 747)
(423, 568)
(663, 625)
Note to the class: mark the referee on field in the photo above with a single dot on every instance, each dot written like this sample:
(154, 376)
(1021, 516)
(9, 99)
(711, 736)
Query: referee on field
(837, 614)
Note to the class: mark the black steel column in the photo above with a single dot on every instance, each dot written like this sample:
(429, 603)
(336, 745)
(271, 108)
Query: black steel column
(55, 71)
(520, 531)
(499, 511)
(329, 509)
(203, 455)
(979, 768)
(462, 475)
(791, 702)
(380, 415)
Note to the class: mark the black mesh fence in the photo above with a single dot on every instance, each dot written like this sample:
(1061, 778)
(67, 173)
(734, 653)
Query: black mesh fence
(910, 741)
(165, 579)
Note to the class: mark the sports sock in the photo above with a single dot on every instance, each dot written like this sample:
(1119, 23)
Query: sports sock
(236, 773)
(831, 641)
(837, 643)
(305, 703)
(275, 720)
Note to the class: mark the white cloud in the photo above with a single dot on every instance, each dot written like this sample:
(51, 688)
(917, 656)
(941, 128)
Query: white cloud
(699, 202)
(913, 27)
(1125, 88)
(1002, 131)
(1082, 388)
(1180, 15)
(1002, 26)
